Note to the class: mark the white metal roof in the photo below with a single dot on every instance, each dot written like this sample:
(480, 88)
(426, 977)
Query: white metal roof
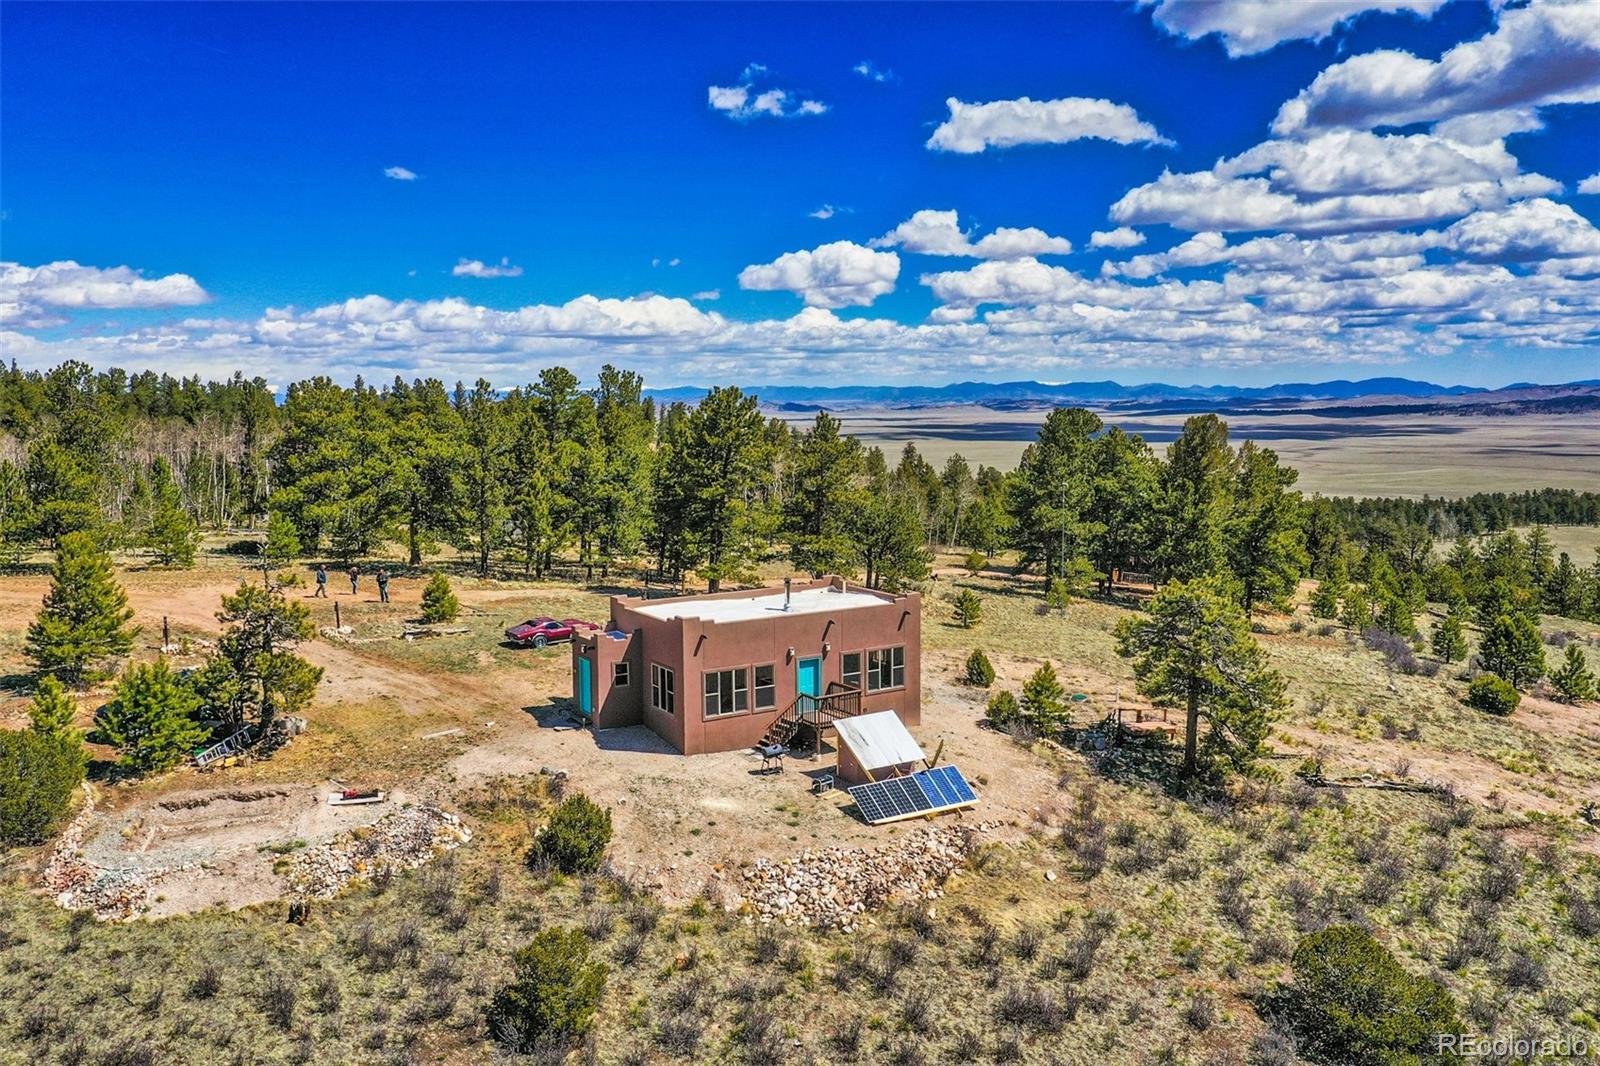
(767, 605)
(879, 739)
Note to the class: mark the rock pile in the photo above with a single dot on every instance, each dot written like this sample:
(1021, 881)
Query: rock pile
(835, 887)
(402, 840)
(76, 884)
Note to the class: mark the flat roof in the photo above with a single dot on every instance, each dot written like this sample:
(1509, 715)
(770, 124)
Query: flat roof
(767, 605)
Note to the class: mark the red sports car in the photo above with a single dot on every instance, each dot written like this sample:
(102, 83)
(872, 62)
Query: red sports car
(538, 632)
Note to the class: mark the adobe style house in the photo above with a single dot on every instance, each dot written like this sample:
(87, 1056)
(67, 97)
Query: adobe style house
(730, 670)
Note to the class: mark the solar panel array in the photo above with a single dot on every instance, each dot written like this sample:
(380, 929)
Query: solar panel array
(924, 792)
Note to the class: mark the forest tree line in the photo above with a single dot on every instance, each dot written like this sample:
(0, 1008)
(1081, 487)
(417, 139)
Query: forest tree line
(550, 472)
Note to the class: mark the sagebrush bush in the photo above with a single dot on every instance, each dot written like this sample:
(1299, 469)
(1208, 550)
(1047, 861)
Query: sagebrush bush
(574, 839)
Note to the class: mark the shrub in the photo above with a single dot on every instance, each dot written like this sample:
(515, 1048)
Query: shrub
(38, 772)
(975, 561)
(1352, 1001)
(980, 671)
(1044, 701)
(1494, 695)
(439, 603)
(554, 994)
(1003, 711)
(574, 839)
(968, 608)
(150, 722)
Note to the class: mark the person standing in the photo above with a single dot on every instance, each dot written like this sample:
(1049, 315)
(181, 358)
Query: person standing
(383, 584)
(355, 576)
(322, 580)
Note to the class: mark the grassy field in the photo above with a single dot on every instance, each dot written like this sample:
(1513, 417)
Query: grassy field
(1107, 921)
(1387, 455)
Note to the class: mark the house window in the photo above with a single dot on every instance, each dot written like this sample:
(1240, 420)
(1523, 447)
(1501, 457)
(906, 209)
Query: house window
(662, 689)
(852, 669)
(766, 687)
(727, 692)
(886, 668)
(619, 675)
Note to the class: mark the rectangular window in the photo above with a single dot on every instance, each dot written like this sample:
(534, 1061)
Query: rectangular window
(766, 687)
(619, 675)
(662, 690)
(886, 668)
(852, 669)
(727, 692)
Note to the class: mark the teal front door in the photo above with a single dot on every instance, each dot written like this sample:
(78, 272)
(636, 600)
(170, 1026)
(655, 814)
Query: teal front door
(808, 680)
(586, 687)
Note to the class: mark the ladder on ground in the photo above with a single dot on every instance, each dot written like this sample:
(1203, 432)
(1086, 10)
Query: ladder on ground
(223, 748)
(818, 712)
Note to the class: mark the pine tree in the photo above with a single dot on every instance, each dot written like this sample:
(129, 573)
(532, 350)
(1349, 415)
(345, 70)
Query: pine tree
(439, 603)
(1196, 484)
(425, 434)
(54, 712)
(968, 608)
(151, 719)
(1002, 710)
(1563, 593)
(979, 670)
(1044, 701)
(1394, 616)
(1325, 600)
(1052, 490)
(255, 675)
(723, 459)
(1262, 534)
(1449, 638)
(283, 541)
(825, 494)
(1195, 650)
(171, 535)
(1357, 610)
(16, 515)
(1574, 680)
(85, 614)
(1512, 649)
(1121, 519)
(888, 531)
(626, 423)
(485, 455)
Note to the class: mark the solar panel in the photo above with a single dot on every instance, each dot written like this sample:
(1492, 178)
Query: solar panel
(924, 792)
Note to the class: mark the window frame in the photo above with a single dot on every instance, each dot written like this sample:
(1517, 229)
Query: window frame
(886, 663)
(771, 687)
(845, 672)
(663, 681)
(621, 674)
(728, 699)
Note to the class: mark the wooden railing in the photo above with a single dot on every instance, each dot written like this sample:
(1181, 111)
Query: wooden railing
(818, 712)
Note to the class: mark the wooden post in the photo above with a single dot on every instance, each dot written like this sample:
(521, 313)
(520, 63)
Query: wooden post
(166, 633)
(337, 624)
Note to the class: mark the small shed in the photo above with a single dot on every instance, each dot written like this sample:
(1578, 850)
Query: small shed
(875, 746)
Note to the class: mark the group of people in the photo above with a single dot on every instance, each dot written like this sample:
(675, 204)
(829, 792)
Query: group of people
(355, 580)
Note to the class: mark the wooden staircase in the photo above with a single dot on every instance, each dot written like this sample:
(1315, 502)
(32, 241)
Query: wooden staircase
(818, 712)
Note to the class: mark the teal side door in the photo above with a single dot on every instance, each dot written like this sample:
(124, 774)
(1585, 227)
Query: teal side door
(586, 687)
(808, 677)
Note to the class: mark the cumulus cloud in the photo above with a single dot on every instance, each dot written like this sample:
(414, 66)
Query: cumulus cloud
(1531, 231)
(1251, 26)
(840, 274)
(1006, 123)
(1121, 237)
(476, 268)
(399, 174)
(1545, 53)
(744, 101)
(35, 296)
(870, 70)
(1340, 181)
(1590, 186)
(940, 233)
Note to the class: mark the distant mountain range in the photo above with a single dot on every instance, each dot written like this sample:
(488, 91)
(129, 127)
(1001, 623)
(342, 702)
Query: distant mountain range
(1402, 392)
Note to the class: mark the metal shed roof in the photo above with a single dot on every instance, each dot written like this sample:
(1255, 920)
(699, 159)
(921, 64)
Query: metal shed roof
(879, 739)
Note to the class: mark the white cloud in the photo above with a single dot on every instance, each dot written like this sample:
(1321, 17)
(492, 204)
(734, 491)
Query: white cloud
(744, 101)
(1121, 237)
(1545, 53)
(840, 274)
(1005, 123)
(34, 296)
(1251, 26)
(1531, 231)
(399, 174)
(707, 294)
(826, 211)
(869, 70)
(476, 268)
(1340, 181)
(1590, 186)
(940, 233)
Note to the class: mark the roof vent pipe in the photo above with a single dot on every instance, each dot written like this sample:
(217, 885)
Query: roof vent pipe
(788, 586)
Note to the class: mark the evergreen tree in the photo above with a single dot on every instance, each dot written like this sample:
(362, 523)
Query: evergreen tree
(1121, 521)
(1394, 616)
(53, 711)
(1574, 680)
(312, 459)
(1449, 638)
(16, 515)
(968, 608)
(485, 455)
(1541, 556)
(283, 541)
(888, 531)
(825, 494)
(1053, 490)
(1003, 711)
(425, 435)
(1195, 650)
(85, 614)
(1262, 533)
(171, 535)
(979, 670)
(1323, 535)
(1563, 593)
(1512, 648)
(1357, 610)
(1044, 701)
(1195, 502)
(957, 490)
(439, 603)
(722, 462)
(1325, 600)
(670, 496)
(151, 719)
(553, 995)
(1077, 578)
(535, 532)
(626, 424)
(38, 774)
(255, 675)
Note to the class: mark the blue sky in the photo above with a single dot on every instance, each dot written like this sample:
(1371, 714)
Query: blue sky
(1316, 190)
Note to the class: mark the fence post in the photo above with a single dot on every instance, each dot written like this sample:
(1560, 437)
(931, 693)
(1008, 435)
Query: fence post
(337, 624)
(166, 633)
